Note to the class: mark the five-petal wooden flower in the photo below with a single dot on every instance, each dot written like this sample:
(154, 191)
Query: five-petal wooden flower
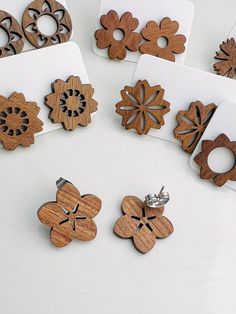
(70, 217)
(142, 107)
(141, 223)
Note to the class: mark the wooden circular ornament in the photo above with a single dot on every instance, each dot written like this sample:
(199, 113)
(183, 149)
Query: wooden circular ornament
(202, 160)
(142, 224)
(12, 28)
(18, 121)
(55, 10)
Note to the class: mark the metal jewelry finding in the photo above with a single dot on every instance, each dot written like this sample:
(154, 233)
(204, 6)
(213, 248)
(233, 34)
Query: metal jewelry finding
(154, 200)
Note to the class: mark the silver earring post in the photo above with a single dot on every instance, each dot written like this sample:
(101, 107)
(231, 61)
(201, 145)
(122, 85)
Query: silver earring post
(154, 200)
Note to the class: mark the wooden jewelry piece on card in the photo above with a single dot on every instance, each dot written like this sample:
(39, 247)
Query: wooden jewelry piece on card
(117, 48)
(202, 160)
(142, 224)
(226, 66)
(40, 8)
(71, 215)
(12, 28)
(192, 124)
(142, 107)
(172, 43)
(71, 103)
(18, 121)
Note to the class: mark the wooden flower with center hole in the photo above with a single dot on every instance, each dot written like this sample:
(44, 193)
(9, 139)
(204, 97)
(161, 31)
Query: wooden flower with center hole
(71, 103)
(18, 121)
(142, 107)
(141, 223)
(71, 216)
(117, 49)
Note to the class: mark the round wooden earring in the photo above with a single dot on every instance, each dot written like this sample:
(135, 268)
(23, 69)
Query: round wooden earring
(12, 28)
(55, 10)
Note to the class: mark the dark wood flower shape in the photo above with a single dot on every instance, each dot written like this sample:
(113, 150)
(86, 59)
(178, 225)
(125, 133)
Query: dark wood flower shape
(117, 49)
(192, 124)
(12, 28)
(142, 107)
(202, 160)
(71, 103)
(71, 216)
(175, 43)
(39, 8)
(18, 121)
(226, 66)
(141, 223)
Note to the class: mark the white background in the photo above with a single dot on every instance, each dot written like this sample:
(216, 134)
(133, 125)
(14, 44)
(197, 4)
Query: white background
(193, 271)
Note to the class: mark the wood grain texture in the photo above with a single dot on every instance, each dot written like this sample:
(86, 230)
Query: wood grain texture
(12, 28)
(71, 103)
(117, 49)
(202, 160)
(141, 223)
(71, 216)
(142, 107)
(175, 43)
(38, 8)
(192, 124)
(18, 121)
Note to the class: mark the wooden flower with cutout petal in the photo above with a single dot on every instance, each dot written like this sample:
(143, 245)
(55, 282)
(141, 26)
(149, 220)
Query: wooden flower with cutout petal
(142, 107)
(192, 124)
(18, 121)
(141, 223)
(71, 216)
(71, 103)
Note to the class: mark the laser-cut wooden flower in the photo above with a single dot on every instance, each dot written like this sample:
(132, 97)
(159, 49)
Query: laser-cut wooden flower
(71, 103)
(71, 216)
(202, 160)
(39, 8)
(117, 49)
(167, 30)
(192, 124)
(18, 121)
(142, 107)
(141, 223)
(227, 56)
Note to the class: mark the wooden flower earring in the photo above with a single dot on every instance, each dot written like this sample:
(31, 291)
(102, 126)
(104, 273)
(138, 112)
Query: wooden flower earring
(142, 107)
(143, 222)
(71, 215)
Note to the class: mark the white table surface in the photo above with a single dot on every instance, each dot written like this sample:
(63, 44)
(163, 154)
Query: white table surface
(193, 271)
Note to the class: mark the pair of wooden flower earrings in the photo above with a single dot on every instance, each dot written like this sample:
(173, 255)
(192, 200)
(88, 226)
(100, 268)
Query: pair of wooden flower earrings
(71, 217)
(30, 29)
(71, 103)
(148, 41)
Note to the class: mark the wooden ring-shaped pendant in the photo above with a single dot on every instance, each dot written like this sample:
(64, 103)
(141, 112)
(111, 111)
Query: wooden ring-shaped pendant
(12, 28)
(55, 10)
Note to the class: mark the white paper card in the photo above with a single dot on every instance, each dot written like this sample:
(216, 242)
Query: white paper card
(181, 11)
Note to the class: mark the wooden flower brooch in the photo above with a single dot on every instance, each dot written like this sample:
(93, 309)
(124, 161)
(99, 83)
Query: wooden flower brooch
(148, 42)
(71, 215)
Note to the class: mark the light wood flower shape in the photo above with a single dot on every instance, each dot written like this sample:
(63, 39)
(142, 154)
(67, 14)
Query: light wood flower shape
(71, 216)
(141, 223)
(117, 49)
(167, 30)
(71, 103)
(142, 107)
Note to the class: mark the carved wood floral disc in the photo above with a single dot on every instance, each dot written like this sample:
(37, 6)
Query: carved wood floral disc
(202, 160)
(71, 103)
(18, 121)
(226, 66)
(192, 124)
(142, 224)
(12, 28)
(142, 107)
(71, 216)
(152, 33)
(111, 22)
(39, 8)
